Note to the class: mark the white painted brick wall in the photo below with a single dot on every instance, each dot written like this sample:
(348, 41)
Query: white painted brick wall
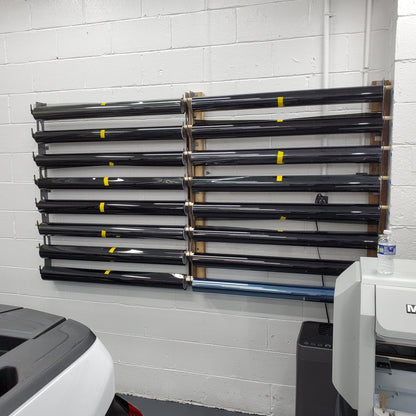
(133, 35)
(85, 40)
(106, 10)
(406, 8)
(403, 191)
(223, 351)
(19, 46)
(204, 28)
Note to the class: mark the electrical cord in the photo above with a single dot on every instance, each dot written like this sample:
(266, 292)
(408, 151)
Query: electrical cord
(322, 200)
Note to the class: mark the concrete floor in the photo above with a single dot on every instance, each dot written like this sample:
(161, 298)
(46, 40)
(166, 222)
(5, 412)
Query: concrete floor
(151, 407)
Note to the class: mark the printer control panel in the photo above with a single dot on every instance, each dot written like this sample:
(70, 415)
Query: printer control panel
(317, 335)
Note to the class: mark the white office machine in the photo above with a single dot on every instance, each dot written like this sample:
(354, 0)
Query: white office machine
(374, 345)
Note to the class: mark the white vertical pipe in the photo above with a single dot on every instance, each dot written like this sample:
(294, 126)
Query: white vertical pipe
(327, 16)
(325, 69)
(366, 58)
(367, 38)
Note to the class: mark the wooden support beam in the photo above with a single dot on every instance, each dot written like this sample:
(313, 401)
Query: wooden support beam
(382, 168)
(195, 197)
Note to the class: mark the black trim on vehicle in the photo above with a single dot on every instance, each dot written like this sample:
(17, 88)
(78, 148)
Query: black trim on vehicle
(44, 346)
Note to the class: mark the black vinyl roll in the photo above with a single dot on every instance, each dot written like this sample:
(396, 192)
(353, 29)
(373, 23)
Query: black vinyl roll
(270, 264)
(113, 134)
(112, 230)
(308, 183)
(110, 159)
(168, 280)
(356, 213)
(307, 155)
(339, 125)
(311, 183)
(291, 238)
(237, 122)
(289, 98)
(360, 213)
(63, 206)
(287, 156)
(111, 183)
(215, 234)
(43, 111)
(118, 254)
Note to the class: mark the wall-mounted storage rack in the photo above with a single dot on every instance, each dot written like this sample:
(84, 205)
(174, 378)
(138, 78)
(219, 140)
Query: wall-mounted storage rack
(195, 158)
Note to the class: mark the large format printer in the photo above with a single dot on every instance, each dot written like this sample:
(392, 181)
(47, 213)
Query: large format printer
(374, 340)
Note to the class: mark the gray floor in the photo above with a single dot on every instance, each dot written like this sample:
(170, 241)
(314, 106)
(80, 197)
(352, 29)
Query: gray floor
(150, 407)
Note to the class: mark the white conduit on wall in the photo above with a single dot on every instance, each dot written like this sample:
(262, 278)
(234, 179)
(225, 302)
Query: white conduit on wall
(366, 57)
(325, 70)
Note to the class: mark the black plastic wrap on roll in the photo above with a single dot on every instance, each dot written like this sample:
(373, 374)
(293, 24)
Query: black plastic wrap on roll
(270, 264)
(64, 206)
(117, 254)
(109, 159)
(175, 183)
(307, 155)
(112, 230)
(113, 134)
(289, 98)
(360, 213)
(300, 127)
(307, 183)
(43, 111)
(168, 280)
(290, 238)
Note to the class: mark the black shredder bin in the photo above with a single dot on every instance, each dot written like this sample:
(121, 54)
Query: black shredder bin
(315, 393)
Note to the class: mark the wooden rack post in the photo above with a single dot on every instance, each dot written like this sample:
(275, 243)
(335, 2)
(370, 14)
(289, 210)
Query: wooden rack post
(194, 197)
(382, 168)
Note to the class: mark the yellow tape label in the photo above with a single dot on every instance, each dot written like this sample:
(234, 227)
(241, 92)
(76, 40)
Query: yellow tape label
(107, 272)
(112, 249)
(280, 121)
(103, 103)
(280, 102)
(280, 158)
(105, 180)
(110, 164)
(279, 178)
(103, 234)
(280, 231)
(102, 204)
(282, 218)
(102, 134)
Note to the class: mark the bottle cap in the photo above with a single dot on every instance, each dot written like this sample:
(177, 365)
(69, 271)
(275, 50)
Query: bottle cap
(387, 231)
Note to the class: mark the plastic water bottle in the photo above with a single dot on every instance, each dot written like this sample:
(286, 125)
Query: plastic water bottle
(386, 251)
